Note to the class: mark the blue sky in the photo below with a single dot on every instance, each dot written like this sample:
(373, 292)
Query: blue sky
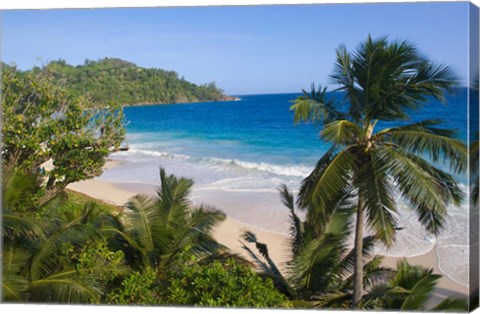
(246, 49)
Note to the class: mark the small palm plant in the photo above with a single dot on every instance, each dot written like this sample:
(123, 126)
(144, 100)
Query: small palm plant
(157, 230)
(410, 289)
(382, 81)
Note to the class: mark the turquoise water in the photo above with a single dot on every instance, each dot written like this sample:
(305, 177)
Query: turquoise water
(256, 132)
(239, 153)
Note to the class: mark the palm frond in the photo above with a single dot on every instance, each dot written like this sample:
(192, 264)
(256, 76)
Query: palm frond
(267, 266)
(196, 234)
(419, 281)
(304, 200)
(344, 75)
(375, 274)
(381, 294)
(16, 225)
(333, 299)
(45, 258)
(140, 213)
(345, 268)
(340, 132)
(328, 182)
(434, 79)
(394, 77)
(428, 195)
(204, 218)
(451, 304)
(313, 107)
(18, 186)
(65, 290)
(261, 265)
(296, 227)
(14, 288)
(172, 199)
(424, 138)
(375, 190)
(311, 269)
(262, 248)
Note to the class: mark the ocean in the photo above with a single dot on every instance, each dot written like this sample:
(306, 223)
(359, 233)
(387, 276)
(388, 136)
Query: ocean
(240, 152)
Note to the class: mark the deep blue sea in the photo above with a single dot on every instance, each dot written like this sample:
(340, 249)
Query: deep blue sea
(239, 152)
(256, 132)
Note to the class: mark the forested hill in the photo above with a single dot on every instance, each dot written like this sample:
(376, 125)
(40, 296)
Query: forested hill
(123, 82)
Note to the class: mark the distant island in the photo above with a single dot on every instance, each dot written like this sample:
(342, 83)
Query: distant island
(125, 83)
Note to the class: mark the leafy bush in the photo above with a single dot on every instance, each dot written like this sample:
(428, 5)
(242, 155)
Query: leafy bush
(231, 284)
(137, 288)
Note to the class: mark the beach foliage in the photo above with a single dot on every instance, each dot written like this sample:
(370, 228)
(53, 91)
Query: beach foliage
(169, 244)
(156, 250)
(157, 230)
(138, 288)
(383, 81)
(58, 258)
(41, 122)
(320, 271)
(410, 289)
(226, 284)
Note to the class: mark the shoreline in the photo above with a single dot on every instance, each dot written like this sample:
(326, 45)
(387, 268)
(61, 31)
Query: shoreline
(229, 232)
(227, 98)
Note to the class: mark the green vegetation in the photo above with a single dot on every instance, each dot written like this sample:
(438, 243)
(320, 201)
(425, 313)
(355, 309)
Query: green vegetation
(156, 251)
(218, 283)
(381, 81)
(40, 122)
(115, 80)
(164, 228)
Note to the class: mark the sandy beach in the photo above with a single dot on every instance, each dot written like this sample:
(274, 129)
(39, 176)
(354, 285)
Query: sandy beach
(229, 232)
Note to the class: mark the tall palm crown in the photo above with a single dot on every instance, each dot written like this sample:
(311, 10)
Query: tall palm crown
(382, 81)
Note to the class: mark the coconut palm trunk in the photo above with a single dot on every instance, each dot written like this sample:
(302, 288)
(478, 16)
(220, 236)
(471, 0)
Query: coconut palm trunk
(358, 268)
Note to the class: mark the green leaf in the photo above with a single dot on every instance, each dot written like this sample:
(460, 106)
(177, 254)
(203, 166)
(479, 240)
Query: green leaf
(375, 191)
(341, 132)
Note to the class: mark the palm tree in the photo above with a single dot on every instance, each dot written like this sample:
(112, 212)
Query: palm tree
(157, 230)
(320, 272)
(382, 81)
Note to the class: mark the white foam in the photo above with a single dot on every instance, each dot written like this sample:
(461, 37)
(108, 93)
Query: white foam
(294, 171)
(245, 184)
(283, 170)
(453, 262)
(160, 154)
